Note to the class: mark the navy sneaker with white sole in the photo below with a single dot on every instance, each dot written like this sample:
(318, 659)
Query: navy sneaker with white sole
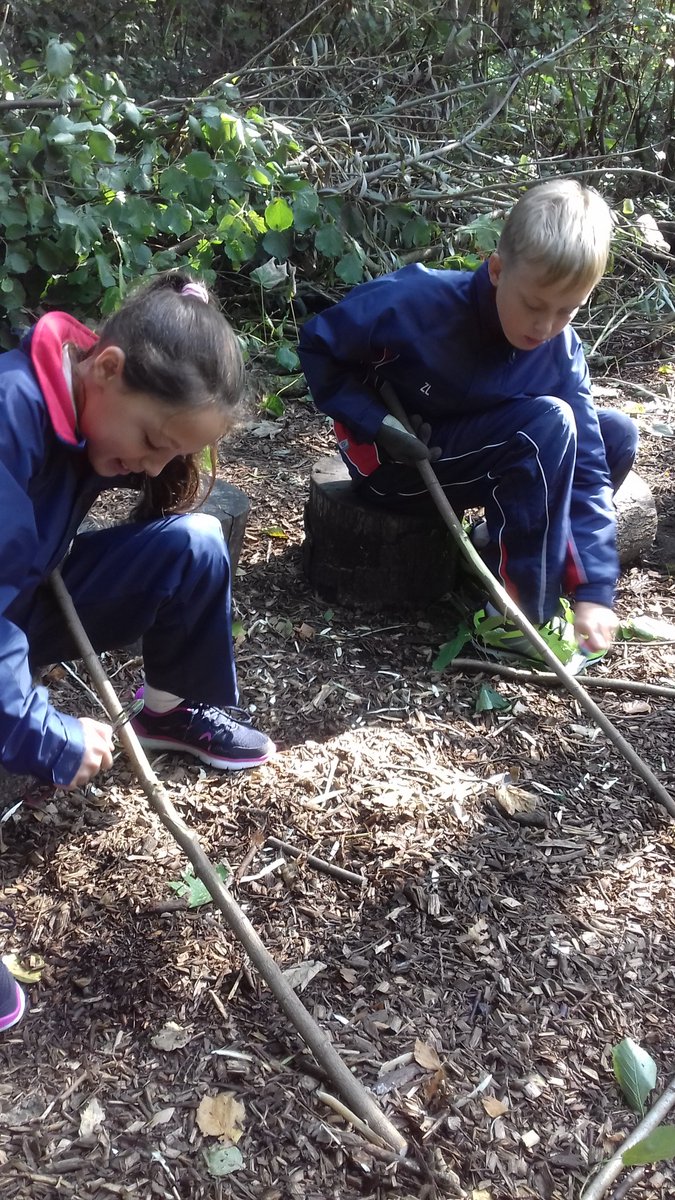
(213, 735)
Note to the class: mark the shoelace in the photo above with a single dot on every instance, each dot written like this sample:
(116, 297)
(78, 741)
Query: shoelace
(212, 713)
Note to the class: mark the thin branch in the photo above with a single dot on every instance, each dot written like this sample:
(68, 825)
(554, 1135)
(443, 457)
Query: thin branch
(313, 1036)
(479, 666)
(320, 864)
(614, 1166)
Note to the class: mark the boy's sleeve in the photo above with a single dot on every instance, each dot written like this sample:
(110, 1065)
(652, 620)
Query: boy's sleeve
(338, 350)
(593, 566)
(35, 739)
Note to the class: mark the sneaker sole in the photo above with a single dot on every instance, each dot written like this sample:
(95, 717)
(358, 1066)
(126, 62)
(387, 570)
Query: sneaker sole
(10, 1022)
(211, 760)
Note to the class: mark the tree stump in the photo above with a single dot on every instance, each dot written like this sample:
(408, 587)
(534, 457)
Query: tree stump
(636, 518)
(226, 502)
(359, 555)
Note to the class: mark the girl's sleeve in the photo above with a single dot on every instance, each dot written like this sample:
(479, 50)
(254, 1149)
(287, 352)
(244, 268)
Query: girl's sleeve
(35, 739)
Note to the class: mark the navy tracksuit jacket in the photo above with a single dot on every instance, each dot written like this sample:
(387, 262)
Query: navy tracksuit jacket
(167, 581)
(518, 429)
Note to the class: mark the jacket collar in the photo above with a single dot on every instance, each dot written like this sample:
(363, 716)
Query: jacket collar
(45, 346)
(490, 330)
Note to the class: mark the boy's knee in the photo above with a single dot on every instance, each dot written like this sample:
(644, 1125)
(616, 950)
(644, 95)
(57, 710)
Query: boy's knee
(553, 418)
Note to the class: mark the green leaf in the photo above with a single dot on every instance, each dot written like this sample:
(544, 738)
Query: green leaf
(279, 215)
(329, 241)
(102, 143)
(647, 629)
(488, 700)
(270, 274)
(199, 164)
(17, 260)
(350, 268)
(635, 1072)
(105, 272)
(656, 1146)
(279, 245)
(628, 207)
(130, 113)
(306, 209)
(287, 358)
(58, 59)
(273, 404)
(194, 890)
(222, 1160)
(449, 650)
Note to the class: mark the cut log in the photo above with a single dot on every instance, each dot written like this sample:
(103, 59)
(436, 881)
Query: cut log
(635, 518)
(226, 502)
(362, 556)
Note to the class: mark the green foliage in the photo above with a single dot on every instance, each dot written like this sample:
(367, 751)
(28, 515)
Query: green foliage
(103, 190)
(658, 1145)
(635, 1072)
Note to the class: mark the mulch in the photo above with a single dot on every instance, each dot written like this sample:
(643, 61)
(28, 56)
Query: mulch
(478, 981)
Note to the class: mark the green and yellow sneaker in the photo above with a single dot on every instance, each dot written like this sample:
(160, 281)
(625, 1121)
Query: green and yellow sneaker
(503, 640)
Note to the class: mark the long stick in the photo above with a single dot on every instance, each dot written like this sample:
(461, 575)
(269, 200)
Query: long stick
(353, 1092)
(614, 1166)
(501, 598)
(481, 666)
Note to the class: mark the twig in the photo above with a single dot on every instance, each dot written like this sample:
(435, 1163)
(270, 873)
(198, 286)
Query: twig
(349, 1116)
(314, 1037)
(501, 597)
(614, 1166)
(481, 667)
(319, 864)
(624, 1187)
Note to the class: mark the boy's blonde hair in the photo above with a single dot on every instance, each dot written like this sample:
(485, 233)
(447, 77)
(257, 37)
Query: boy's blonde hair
(562, 227)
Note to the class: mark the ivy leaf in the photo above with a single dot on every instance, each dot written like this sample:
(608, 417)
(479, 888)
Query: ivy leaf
(58, 59)
(306, 209)
(279, 245)
(488, 700)
(635, 1072)
(449, 650)
(279, 215)
(329, 241)
(656, 1146)
(199, 164)
(350, 268)
(223, 1160)
(270, 274)
(647, 629)
(273, 404)
(102, 143)
(287, 358)
(194, 890)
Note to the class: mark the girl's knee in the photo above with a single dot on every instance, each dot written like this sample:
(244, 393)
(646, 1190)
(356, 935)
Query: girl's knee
(197, 535)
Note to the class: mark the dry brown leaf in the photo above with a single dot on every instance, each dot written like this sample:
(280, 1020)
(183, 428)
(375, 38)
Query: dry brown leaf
(636, 706)
(306, 631)
(298, 977)
(221, 1116)
(514, 799)
(161, 1117)
(171, 1037)
(426, 1056)
(495, 1107)
(92, 1117)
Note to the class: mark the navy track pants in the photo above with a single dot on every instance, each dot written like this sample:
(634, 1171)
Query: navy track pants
(165, 581)
(517, 461)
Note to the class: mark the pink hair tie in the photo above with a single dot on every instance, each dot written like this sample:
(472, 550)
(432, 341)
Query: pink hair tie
(196, 289)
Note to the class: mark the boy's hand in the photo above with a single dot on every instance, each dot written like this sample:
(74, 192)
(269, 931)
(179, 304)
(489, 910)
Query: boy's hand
(594, 625)
(423, 430)
(98, 751)
(401, 446)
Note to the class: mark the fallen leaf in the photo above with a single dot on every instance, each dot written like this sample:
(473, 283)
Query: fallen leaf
(92, 1117)
(530, 1138)
(306, 631)
(171, 1037)
(222, 1160)
(28, 970)
(221, 1116)
(636, 706)
(161, 1117)
(514, 799)
(495, 1107)
(481, 1194)
(300, 976)
(426, 1056)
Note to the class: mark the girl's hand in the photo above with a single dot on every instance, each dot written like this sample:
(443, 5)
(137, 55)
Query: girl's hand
(594, 625)
(98, 751)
